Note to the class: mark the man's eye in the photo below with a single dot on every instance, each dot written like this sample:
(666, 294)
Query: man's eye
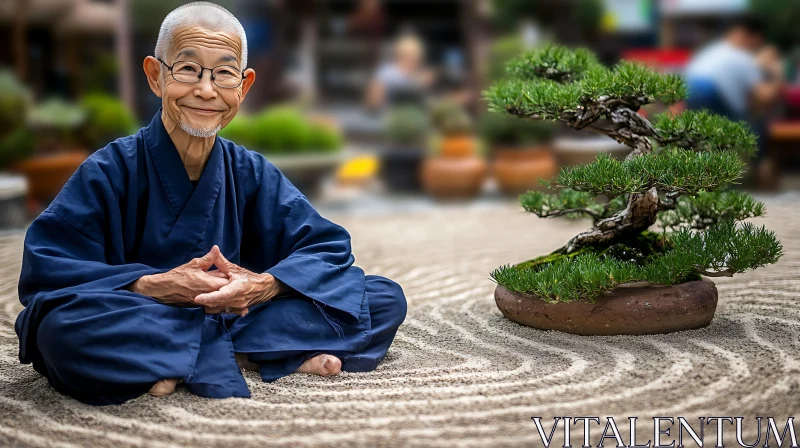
(225, 73)
(187, 68)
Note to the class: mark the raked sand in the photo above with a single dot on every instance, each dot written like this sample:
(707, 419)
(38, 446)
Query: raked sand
(459, 374)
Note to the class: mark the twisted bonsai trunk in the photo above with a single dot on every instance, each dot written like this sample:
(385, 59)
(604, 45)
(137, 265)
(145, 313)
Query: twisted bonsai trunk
(629, 128)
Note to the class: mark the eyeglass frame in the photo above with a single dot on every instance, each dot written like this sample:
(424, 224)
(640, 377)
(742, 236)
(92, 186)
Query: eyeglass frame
(202, 70)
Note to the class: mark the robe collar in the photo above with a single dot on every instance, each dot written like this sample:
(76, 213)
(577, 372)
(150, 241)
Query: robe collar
(171, 171)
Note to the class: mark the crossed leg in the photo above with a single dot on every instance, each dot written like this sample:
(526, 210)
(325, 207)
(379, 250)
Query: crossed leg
(388, 308)
(322, 365)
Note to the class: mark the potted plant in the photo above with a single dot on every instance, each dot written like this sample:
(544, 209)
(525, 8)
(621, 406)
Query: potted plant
(619, 276)
(16, 143)
(305, 149)
(520, 150)
(107, 118)
(59, 150)
(407, 129)
(457, 171)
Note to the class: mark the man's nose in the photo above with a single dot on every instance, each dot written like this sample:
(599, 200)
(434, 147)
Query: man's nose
(206, 88)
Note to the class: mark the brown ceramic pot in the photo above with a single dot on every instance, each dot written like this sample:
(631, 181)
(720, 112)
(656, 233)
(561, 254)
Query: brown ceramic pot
(457, 146)
(456, 177)
(518, 170)
(47, 174)
(633, 309)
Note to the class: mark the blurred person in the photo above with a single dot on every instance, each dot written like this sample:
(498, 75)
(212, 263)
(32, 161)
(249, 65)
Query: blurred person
(729, 78)
(405, 75)
(738, 77)
(117, 282)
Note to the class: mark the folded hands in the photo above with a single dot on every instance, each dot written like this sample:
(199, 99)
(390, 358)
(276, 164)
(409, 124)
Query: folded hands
(229, 289)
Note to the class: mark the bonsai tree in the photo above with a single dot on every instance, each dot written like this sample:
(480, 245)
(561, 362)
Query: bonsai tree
(675, 175)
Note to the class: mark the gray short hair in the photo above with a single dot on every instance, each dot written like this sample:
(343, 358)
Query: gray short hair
(205, 15)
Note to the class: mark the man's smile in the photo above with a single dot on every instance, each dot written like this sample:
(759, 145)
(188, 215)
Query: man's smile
(203, 111)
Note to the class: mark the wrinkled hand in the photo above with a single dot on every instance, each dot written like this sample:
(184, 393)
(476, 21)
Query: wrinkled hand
(243, 290)
(181, 285)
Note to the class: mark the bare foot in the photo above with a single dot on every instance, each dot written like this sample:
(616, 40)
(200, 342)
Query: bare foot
(244, 362)
(164, 387)
(323, 365)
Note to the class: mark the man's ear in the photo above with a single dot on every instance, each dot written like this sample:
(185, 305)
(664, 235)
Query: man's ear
(248, 82)
(152, 69)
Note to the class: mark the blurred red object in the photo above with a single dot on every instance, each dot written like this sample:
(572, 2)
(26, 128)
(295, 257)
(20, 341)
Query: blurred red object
(671, 60)
(791, 95)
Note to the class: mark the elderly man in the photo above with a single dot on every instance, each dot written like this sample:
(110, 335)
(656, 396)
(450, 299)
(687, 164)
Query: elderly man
(117, 282)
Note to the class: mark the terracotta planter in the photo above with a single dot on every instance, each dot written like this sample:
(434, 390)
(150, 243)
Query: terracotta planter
(457, 146)
(47, 174)
(632, 309)
(453, 177)
(518, 170)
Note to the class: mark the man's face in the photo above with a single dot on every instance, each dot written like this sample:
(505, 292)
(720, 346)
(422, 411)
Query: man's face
(748, 40)
(408, 61)
(202, 109)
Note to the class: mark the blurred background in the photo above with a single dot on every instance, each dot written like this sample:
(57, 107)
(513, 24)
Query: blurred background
(375, 105)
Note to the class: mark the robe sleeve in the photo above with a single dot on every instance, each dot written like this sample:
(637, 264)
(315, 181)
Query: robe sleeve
(77, 241)
(73, 246)
(315, 256)
(58, 255)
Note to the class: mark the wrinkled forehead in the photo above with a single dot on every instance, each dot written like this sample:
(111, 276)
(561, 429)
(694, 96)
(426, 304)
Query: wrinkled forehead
(205, 46)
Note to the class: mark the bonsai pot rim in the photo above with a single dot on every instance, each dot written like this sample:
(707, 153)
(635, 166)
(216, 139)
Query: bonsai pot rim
(629, 309)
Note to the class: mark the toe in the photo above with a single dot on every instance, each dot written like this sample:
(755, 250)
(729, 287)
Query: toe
(331, 365)
(163, 387)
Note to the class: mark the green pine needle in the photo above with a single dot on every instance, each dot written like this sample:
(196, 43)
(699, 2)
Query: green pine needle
(669, 171)
(723, 249)
(704, 131)
(553, 62)
(570, 203)
(705, 209)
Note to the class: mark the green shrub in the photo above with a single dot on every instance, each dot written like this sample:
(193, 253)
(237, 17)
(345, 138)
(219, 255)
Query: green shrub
(16, 146)
(407, 125)
(281, 130)
(324, 138)
(107, 119)
(450, 118)
(500, 129)
(15, 101)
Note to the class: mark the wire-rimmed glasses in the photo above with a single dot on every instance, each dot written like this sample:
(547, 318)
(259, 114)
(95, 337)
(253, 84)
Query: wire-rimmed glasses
(188, 72)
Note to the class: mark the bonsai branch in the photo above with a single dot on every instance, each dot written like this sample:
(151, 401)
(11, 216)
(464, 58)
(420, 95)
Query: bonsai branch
(617, 120)
(725, 273)
(670, 202)
(553, 213)
(639, 214)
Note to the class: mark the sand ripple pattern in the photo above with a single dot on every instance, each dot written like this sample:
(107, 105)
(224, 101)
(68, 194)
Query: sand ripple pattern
(458, 374)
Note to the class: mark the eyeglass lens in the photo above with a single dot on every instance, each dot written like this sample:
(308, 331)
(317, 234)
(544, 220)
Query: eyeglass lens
(223, 76)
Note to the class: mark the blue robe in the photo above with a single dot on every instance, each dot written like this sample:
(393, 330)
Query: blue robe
(130, 210)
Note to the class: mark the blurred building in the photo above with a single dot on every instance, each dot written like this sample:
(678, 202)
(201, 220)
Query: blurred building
(61, 47)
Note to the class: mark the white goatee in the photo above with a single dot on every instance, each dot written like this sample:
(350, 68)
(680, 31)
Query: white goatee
(200, 132)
